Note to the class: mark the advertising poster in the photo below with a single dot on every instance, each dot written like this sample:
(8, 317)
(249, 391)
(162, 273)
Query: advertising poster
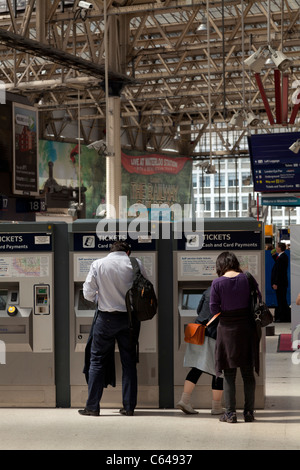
(25, 151)
(146, 178)
(156, 179)
(65, 170)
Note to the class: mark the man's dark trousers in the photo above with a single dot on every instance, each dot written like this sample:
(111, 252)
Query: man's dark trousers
(282, 311)
(111, 326)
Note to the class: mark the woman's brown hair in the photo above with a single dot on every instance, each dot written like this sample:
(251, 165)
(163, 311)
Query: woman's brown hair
(227, 261)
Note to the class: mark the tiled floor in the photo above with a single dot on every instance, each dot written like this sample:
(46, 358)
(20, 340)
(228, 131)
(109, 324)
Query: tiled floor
(277, 427)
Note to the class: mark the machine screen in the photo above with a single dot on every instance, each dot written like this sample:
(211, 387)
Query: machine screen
(3, 299)
(84, 304)
(191, 299)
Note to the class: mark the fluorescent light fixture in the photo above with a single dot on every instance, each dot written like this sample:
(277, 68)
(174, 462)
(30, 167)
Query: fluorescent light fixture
(281, 61)
(295, 147)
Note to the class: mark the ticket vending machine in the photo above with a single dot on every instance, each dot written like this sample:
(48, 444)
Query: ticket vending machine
(194, 271)
(86, 246)
(27, 376)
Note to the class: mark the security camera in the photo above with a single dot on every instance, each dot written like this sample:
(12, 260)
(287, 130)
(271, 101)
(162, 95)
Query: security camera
(252, 120)
(281, 61)
(85, 5)
(99, 144)
(237, 120)
(295, 147)
(208, 167)
(256, 61)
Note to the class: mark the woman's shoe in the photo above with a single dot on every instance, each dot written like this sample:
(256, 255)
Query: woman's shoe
(229, 417)
(186, 408)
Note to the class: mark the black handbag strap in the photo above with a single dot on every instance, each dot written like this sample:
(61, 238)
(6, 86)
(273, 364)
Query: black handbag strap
(253, 286)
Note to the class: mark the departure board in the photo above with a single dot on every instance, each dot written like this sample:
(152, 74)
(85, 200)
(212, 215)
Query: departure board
(275, 168)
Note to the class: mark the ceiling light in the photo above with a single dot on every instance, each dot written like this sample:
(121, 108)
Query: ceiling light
(281, 61)
(165, 111)
(295, 147)
(202, 27)
(150, 127)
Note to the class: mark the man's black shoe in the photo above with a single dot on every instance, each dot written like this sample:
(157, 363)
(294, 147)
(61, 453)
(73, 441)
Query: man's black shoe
(86, 412)
(126, 412)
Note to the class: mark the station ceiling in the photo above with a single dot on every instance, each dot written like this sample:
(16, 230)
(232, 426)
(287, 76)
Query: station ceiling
(177, 65)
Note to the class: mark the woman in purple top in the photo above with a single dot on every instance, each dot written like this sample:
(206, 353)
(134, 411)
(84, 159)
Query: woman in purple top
(237, 341)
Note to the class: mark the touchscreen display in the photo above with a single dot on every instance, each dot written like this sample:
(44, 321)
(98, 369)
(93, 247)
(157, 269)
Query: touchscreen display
(84, 304)
(191, 298)
(3, 299)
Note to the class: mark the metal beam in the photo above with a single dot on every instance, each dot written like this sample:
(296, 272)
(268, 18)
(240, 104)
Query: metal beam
(20, 43)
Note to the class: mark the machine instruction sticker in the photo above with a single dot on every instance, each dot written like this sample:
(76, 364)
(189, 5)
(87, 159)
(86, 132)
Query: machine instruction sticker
(83, 266)
(25, 266)
(205, 266)
(198, 266)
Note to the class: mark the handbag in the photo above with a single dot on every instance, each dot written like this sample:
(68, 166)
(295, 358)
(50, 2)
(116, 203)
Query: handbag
(194, 333)
(261, 313)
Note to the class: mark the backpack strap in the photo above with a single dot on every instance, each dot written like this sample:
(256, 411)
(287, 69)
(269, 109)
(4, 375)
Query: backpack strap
(135, 265)
(136, 270)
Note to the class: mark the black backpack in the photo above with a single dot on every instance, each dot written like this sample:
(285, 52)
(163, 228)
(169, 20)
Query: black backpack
(141, 298)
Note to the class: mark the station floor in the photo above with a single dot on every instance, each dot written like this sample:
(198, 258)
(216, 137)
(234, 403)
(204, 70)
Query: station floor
(277, 427)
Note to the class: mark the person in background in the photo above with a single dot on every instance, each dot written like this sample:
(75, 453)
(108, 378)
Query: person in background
(202, 360)
(237, 344)
(279, 282)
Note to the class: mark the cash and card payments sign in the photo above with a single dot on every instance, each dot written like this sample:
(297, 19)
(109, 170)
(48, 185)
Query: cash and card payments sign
(12, 242)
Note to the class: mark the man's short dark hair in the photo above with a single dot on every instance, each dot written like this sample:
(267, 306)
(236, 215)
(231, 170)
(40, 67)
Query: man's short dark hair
(282, 246)
(120, 245)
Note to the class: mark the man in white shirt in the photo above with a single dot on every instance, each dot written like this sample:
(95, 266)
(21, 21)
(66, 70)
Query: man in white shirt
(106, 284)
